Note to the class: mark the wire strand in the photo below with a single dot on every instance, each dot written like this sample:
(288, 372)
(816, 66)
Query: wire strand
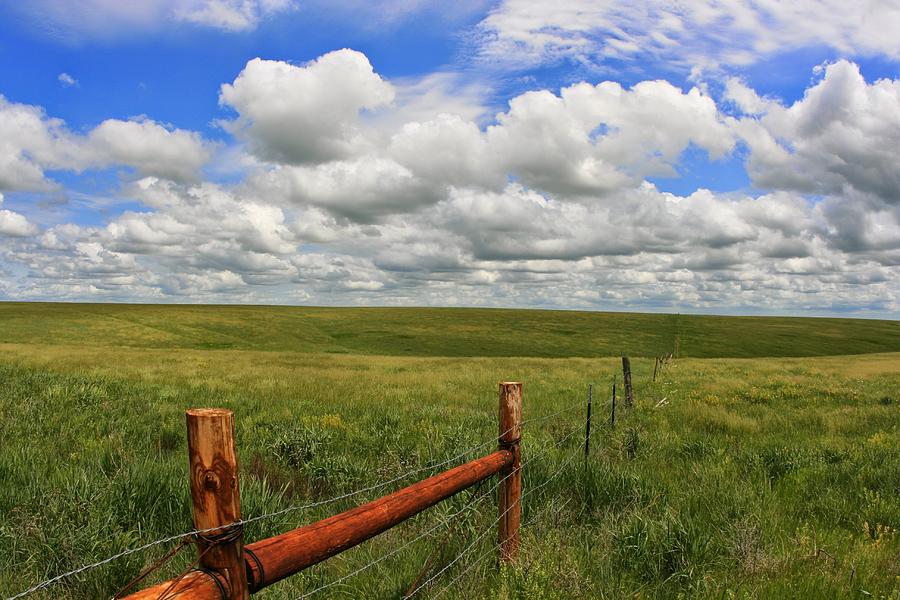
(497, 520)
(178, 537)
(410, 542)
(181, 536)
(491, 551)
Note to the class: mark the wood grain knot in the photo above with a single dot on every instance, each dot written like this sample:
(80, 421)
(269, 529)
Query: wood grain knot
(211, 481)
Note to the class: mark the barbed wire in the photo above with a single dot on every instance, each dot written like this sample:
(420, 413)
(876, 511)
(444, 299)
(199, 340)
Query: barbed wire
(399, 549)
(503, 514)
(427, 532)
(491, 551)
(178, 537)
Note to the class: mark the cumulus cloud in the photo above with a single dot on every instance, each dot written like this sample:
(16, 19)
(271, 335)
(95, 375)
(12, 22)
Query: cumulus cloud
(362, 189)
(32, 142)
(594, 139)
(13, 224)
(706, 33)
(305, 114)
(359, 193)
(843, 136)
(150, 148)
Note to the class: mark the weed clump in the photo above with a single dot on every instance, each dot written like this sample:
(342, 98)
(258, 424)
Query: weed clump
(314, 451)
(298, 445)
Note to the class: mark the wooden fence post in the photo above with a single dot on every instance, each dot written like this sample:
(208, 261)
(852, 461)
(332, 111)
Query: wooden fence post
(587, 430)
(655, 367)
(216, 496)
(626, 375)
(511, 476)
(612, 417)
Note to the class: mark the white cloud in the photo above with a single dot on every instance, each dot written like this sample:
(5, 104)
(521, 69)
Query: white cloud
(75, 20)
(31, 142)
(149, 147)
(230, 15)
(447, 150)
(362, 191)
(15, 225)
(308, 114)
(842, 137)
(705, 33)
(67, 80)
(595, 139)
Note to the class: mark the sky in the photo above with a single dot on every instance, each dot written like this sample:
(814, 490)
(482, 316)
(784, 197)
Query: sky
(708, 156)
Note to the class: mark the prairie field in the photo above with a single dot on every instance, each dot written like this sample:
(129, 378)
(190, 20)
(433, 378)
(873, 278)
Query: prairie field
(764, 461)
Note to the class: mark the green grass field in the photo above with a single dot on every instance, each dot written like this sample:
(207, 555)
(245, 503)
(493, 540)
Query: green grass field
(439, 331)
(755, 467)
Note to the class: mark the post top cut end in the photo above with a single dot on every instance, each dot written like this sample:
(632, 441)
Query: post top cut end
(209, 412)
(510, 383)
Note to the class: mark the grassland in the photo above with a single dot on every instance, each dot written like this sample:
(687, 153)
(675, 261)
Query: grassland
(440, 331)
(754, 477)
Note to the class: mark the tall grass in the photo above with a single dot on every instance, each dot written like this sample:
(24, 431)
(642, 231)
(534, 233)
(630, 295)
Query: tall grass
(757, 478)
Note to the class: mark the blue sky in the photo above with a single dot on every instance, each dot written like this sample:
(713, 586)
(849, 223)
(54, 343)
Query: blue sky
(588, 155)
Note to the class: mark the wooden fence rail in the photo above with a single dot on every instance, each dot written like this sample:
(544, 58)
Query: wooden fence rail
(231, 570)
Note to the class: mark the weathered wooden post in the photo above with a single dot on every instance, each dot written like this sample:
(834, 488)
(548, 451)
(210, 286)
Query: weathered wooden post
(511, 476)
(612, 417)
(216, 497)
(587, 431)
(655, 367)
(626, 375)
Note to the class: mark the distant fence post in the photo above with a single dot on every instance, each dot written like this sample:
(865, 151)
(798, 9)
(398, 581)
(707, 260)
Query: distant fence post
(215, 496)
(655, 367)
(511, 476)
(626, 375)
(587, 431)
(612, 417)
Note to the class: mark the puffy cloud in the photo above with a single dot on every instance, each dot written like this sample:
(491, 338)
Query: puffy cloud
(705, 33)
(595, 139)
(31, 142)
(15, 225)
(149, 147)
(190, 216)
(429, 202)
(447, 149)
(363, 189)
(585, 140)
(842, 137)
(308, 114)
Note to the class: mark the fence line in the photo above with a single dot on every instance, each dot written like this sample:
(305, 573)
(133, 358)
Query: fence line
(490, 551)
(488, 528)
(194, 532)
(436, 527)
(280, 512)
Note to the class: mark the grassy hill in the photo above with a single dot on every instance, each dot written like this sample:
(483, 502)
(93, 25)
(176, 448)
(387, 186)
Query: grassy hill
(458, 332)
(745, 477)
